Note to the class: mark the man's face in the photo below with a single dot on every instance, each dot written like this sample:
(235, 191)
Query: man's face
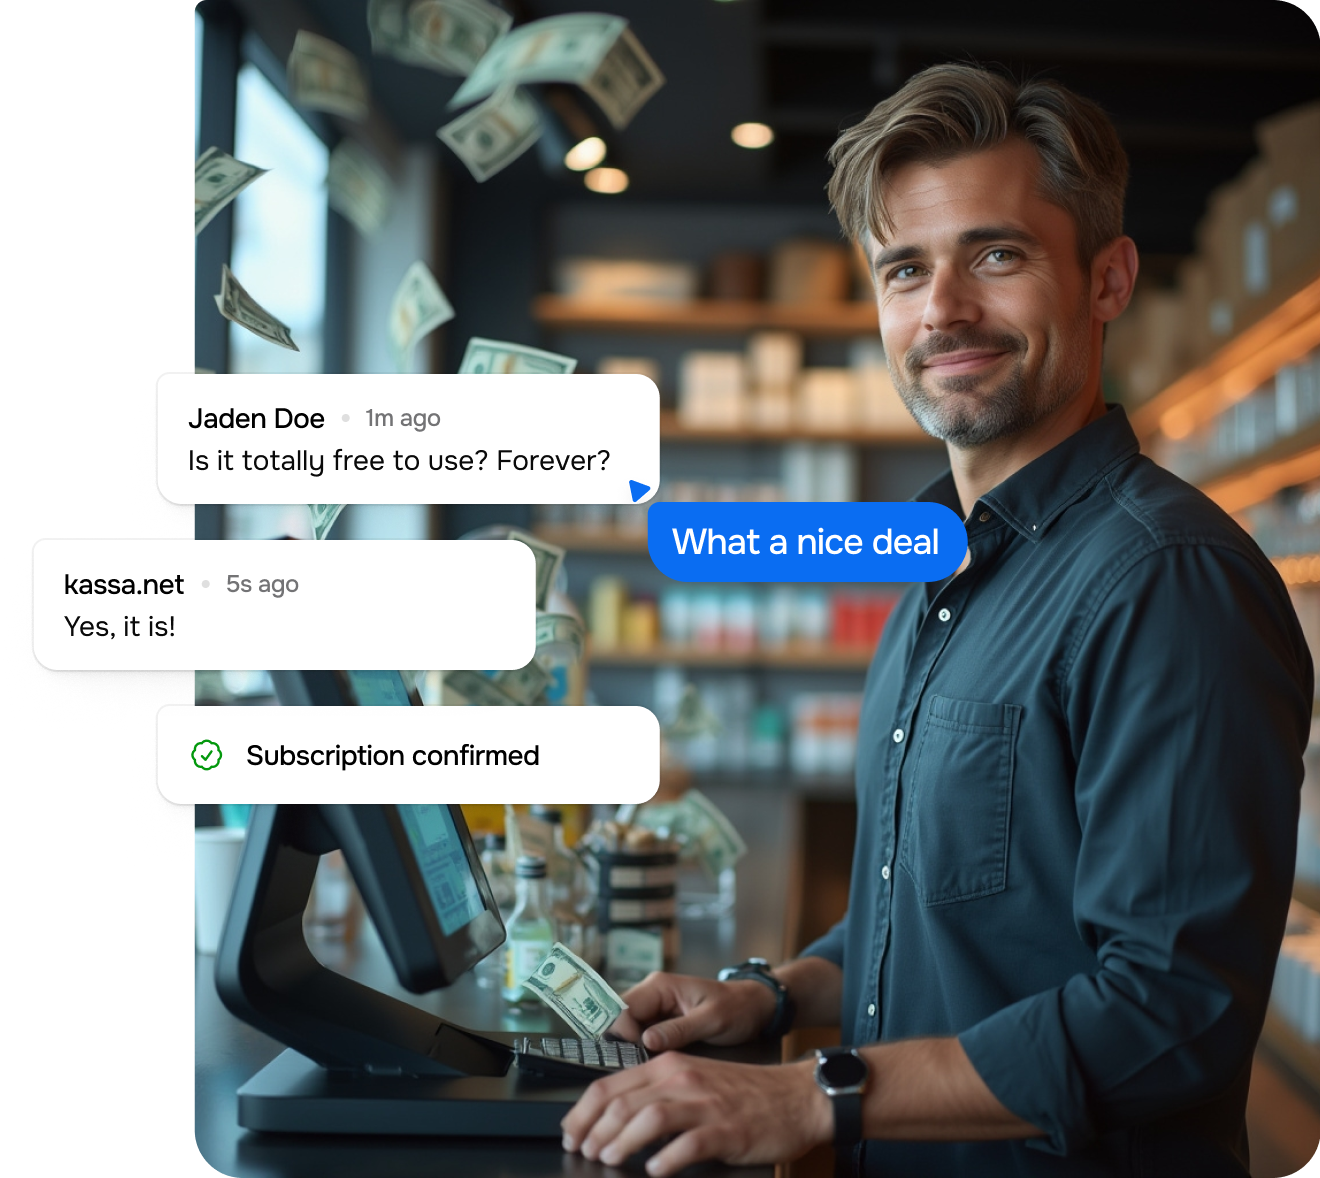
(984, 308)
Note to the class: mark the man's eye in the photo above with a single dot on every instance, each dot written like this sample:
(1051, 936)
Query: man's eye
(905, 272)
(1002, 255)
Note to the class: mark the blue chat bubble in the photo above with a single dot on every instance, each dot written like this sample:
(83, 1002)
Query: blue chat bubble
(805, 541)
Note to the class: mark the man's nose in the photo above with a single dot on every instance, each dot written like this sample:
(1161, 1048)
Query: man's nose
(951, 300)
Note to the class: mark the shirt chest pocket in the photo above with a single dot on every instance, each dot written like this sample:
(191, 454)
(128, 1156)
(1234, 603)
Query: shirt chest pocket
(959, 797)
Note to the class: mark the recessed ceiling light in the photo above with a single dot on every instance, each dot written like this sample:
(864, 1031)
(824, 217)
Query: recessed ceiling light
(752, 135)
(585, 154)
(610, 180)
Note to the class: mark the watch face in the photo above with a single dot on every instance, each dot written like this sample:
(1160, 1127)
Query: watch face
(843, 1071)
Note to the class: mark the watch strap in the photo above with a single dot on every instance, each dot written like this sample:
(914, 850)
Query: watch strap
(847, 1121)
(785, 1008)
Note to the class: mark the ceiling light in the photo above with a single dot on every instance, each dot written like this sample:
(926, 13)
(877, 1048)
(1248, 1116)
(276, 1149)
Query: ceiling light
(752, 135)
(609, 180)
(585, 154)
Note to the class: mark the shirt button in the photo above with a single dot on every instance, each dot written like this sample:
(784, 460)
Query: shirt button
(870, 1010)
(898, 736)
(884, 871)
(945, 615)
(984, 517)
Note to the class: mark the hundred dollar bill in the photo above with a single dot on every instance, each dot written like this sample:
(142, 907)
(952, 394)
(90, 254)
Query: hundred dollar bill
(525, 684)
(387, 22)
(419, 307)
(592, 49)
(549, 559)
(359, 188)
(718, 844)
(451, 36)
(477, 688)
(239, 307)
(624, 81)
(325, 76)
(575, 992)
(489, 137)
(323, 518)
(559, 638)
(492, 355)
(217, 179)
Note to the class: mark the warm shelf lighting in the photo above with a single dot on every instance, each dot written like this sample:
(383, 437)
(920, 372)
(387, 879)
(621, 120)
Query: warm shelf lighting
(585, 154)
(1298, 570)
(752, 135)
(608, 180)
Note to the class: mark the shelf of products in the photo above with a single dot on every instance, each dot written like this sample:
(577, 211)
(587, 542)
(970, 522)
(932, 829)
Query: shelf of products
(795, 657)
(580, 539)
(1252, 357)
(1291, 460)
(708, 316)
(673, 430)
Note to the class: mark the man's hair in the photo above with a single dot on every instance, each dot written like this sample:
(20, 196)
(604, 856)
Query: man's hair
(952, 110)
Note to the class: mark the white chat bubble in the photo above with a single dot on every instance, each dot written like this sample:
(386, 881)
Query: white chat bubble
(177, 605)
(407, 439)
(609, 755)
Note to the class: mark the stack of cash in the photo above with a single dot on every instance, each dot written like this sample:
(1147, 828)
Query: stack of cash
(700, 828)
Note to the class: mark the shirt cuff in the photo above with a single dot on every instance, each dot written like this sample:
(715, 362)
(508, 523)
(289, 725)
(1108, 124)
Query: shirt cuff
(1022, 1054)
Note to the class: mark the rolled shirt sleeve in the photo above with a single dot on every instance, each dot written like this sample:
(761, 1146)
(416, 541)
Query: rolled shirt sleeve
(1187, 694)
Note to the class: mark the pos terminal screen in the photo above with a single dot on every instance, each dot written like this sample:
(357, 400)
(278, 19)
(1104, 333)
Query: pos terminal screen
(443, 863)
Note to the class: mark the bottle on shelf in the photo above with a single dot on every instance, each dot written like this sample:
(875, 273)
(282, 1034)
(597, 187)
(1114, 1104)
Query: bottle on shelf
(494, 862)
(529, 933)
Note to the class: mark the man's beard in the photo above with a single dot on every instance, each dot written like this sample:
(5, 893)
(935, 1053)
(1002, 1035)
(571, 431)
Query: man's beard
(967, 412)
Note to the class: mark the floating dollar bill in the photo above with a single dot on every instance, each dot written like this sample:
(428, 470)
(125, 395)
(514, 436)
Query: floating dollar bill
(359, 187)
(387, 21)
(489, 137)
(624, 80)
(239, 307)
(525, 684)
(451, 36)
(549, 559)
(478, 689)
(419, 307)
(323, 518)
(325, 76)
(575, 992)
(594, 50)
(217, 179)
(493, 355)
(559, 638)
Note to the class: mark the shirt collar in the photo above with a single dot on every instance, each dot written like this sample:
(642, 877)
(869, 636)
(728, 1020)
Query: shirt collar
(1031, 499)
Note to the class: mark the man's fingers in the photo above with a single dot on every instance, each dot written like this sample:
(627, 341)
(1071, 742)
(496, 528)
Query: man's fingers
(654, 1120)
(673, 1033)
(652, 998)
(593, 1102)
(696, 1145)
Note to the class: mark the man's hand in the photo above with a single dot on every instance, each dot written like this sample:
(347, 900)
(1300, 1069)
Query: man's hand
(735, 1113)
(676, 1010)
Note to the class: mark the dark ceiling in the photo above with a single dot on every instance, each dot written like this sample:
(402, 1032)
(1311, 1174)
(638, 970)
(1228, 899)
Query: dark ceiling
(1184, 82)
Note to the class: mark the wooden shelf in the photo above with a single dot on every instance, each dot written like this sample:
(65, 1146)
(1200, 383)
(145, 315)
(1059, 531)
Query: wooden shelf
(798, 657)
(706, 316)
(672, 430)
(1279, 336)
(1302, 1057)
(1291, 460)
(590, 539)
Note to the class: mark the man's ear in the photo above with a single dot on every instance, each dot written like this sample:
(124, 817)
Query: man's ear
(1113, 275)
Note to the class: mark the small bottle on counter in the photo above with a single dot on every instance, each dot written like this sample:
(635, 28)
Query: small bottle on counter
(529, 934)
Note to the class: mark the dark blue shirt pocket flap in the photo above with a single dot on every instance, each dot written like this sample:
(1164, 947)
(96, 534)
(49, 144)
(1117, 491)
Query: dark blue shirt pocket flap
(959, 792)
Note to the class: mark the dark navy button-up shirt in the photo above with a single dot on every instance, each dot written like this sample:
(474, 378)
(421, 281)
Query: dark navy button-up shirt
(1077, 797)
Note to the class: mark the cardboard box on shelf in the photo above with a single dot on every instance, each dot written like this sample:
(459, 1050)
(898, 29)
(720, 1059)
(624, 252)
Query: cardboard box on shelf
(879, 407)
(592, 279)
(1290, 142)
(712, 390)
(809, 271)
(827, 398)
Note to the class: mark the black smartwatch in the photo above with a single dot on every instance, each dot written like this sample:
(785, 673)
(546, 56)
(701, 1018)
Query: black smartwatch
(842, 1073)
(757, 969)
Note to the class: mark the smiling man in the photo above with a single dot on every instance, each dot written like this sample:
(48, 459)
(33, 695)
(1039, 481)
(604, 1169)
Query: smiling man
(1079, 757)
